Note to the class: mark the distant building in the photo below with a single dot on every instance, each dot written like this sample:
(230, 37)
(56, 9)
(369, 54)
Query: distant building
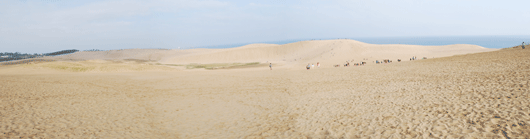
(4, 56)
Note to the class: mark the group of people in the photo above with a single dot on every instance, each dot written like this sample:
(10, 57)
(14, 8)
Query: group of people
(413, 58)
(309, 66)
(347, 64)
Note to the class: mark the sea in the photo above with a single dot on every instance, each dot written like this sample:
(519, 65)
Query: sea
(484, 41)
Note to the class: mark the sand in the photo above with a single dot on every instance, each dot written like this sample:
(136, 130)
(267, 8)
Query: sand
(290, 56)
(327, 52)
(479, 95)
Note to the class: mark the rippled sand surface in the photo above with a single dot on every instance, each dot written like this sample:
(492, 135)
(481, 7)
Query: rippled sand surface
(483, 95)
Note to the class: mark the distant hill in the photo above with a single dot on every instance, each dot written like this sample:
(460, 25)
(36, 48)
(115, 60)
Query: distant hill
(6, 56)
(297, 54)
(326, 52)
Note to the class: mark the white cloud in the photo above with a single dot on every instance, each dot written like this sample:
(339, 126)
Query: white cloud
(40, 23)
(264, 5)
(176, 5)
(46, 15)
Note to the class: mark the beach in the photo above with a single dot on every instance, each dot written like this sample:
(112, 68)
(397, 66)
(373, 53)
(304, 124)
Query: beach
(458, 91)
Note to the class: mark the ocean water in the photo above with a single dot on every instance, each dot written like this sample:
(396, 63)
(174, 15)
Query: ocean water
(484, 41)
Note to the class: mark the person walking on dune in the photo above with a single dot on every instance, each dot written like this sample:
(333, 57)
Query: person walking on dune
(270, 66)
(522, 45)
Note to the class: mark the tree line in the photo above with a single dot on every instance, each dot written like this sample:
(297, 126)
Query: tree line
(8, 56)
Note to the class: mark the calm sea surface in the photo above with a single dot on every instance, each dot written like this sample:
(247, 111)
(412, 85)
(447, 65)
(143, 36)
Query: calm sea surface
(484, 41)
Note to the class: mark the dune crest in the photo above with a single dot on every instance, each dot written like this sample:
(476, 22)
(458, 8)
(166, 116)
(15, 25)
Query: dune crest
(292, 55)
(287, 56)
(324, 51)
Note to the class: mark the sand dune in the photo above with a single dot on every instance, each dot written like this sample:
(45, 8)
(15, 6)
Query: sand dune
(138, 54)
(480, 95)
(328, 52)
(293, 55)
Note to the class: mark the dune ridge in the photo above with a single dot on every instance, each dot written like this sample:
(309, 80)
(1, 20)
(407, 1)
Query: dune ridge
(292, 55)
(328, 51)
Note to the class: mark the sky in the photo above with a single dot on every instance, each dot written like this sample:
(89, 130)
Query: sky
(39, 26)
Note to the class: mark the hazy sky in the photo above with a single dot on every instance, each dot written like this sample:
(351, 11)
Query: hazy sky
(51, 25)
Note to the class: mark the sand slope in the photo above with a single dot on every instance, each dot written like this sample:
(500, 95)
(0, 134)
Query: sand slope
(138, 54)
(328, 52)
(482, 95)
(292, 56)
